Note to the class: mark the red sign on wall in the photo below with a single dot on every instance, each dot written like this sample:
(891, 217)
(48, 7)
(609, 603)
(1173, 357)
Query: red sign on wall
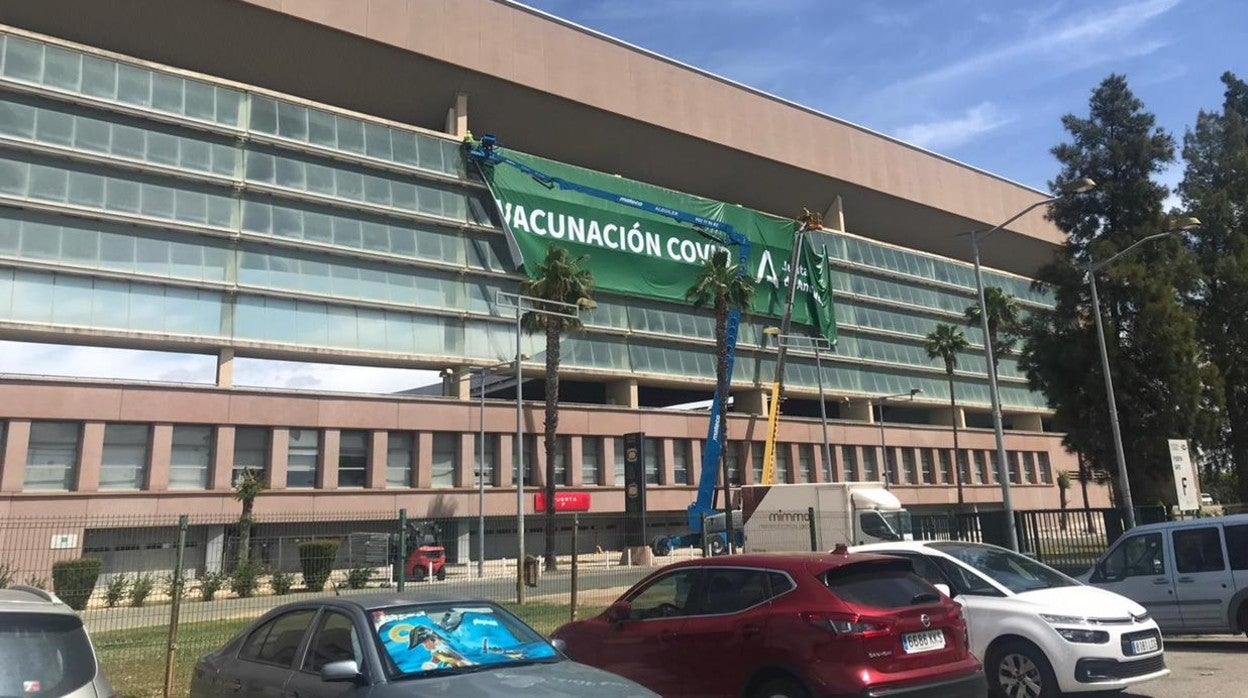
(564, 501)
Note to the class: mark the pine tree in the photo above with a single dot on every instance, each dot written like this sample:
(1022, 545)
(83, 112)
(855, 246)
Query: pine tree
(1151, 335)
(1215, 190)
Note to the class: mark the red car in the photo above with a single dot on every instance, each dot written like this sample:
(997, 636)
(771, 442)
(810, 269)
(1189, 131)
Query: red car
(783, 626)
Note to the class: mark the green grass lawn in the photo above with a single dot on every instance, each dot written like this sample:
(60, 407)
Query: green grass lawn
(134, 660)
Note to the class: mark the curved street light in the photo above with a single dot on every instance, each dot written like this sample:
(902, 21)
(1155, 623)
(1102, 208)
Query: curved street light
(1090, 269)
(994, 393)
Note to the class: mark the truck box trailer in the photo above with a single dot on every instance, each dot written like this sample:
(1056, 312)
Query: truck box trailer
(778, 517)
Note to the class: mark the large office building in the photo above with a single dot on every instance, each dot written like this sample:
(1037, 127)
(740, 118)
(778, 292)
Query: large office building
(284, 179)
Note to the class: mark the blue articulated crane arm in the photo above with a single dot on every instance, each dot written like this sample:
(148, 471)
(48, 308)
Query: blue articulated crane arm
(486, 152)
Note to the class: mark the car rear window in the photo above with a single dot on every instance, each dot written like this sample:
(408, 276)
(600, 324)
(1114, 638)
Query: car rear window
(43, 654)
(884, 586)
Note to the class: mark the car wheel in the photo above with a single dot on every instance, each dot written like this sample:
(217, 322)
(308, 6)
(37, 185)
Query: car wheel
(783, 687)
(418, 574)
(661, 546)
(441, 574)
(1243, 618)
(1020, 670)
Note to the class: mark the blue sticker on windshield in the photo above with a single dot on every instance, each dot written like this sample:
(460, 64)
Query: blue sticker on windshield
(420, 642)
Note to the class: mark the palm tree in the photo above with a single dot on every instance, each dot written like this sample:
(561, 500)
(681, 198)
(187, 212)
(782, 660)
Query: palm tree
(561, 279)
(944, 342)
(721, 286)
(1004, 321)
(248, 486)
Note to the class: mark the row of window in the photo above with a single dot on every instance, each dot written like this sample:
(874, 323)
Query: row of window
(54, 447)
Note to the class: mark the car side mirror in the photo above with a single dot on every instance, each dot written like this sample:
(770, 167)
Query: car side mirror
(559, 644)
(619, 612)
(338, 672)
(944, 589)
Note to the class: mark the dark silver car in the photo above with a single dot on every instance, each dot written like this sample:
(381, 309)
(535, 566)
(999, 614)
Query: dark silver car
(44, 650)
(386, 645)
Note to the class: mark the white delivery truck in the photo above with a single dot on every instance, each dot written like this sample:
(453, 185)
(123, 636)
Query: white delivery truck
(777, 517)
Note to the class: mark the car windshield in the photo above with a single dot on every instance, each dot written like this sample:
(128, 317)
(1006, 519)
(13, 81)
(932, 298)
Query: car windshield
(1015, 572)
(43, 655)
(447, 638)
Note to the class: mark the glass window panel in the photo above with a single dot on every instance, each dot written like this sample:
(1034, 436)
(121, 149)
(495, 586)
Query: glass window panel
(444, 454)
(619, 461)
(292, 121)
(23, 59)
(399, 458)
(591, 452)
(353, 458)
(303, 458)
(124, 462)
(350, 135)
(134, 85)
(52, 455)
(251, 452)
(190, 457)
(651, 455)
(263, 114)
(167, 93)
(321, 128)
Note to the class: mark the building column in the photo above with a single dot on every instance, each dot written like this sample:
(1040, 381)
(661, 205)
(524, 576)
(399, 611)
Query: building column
(819, 473)
(424, 460)
(667, 462)
(465, 468)
(222, 474)
(279, 452)
(505, 454)
(457, 116)
(751, 401)
(747, 461)
(458, 384)
(861, 410)
(946, 417)
(158, 460)
(225, 367)
(378, 455)
(623, 393)
(16, 453)
(1027, 421)
(90, 457)
(576, 453)
(327, 472)
(606, 467)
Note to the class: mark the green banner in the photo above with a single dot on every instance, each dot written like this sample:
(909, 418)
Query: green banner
(638, 253)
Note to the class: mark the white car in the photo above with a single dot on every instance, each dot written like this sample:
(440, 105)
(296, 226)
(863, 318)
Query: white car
(1038, 632)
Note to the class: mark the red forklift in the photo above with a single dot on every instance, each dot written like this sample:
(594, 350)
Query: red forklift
(425, 556)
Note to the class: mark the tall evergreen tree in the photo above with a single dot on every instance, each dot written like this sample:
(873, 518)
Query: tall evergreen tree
(1150, 333)
(1215, 190)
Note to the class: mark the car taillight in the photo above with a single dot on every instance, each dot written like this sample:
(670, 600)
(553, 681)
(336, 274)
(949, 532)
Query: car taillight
(848, 624)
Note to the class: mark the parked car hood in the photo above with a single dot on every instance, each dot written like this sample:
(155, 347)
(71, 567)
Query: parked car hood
(566, 679)
(1086, 601)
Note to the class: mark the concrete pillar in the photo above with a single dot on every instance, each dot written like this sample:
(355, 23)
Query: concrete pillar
(538, 467)
(327, 468)
(1027, 421)
(458, 384)
(861, 410)
(90, 456)
(667, 462)
(465, 466)
(159, 457)
(946, 417)
(457, 116)
(279, 451)
(606, 467)
(623, 393)
(424, 460)
(378, 452)
(16, 449)
(225, 367)
(752, 401)
(834, 217)
(695, 461)
(222, 472)
(506, 460)
(576, 453)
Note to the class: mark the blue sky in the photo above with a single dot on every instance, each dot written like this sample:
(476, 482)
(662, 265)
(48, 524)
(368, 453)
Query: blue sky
(984, 82)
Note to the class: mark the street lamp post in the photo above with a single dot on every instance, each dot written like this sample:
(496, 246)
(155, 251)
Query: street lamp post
(1090, 269)
(818, 344)
(883, 446)
(482, 373)
(522, 305)
(1003, 475)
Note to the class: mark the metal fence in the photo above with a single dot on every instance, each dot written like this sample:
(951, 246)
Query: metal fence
(168, 589)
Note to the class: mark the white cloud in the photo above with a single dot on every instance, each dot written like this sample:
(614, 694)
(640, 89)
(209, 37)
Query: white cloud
(944, 134)
(28, 358)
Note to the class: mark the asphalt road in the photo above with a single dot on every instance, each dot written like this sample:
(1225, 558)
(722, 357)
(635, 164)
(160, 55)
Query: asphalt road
(1211, 666)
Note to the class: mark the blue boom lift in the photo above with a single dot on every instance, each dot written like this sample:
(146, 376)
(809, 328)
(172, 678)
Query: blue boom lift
(487, 153)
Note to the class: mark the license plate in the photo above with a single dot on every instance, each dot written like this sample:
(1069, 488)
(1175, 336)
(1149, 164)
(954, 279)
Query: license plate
(1148, 644)
(926, 641)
